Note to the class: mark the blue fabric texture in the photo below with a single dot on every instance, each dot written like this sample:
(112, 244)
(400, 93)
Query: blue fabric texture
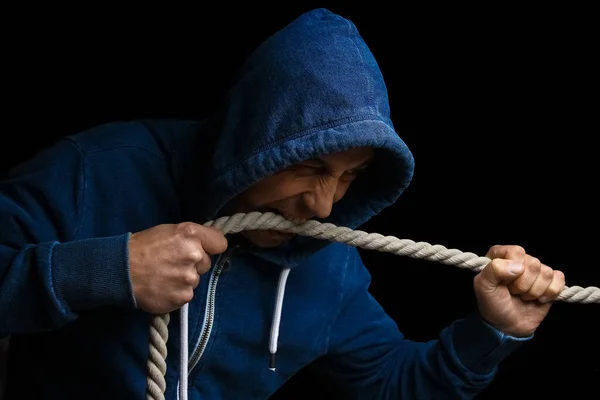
(66, 298)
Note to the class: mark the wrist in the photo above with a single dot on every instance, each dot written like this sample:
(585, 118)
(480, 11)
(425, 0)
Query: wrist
(479, 346)
(93, 272)
(507, 330)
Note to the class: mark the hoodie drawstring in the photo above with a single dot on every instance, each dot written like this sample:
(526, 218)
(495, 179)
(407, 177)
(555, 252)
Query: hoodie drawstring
(277, 316)
(183, 356)
(274, 337)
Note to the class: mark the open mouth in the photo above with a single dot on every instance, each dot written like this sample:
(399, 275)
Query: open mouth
(281, 235)
(288, 217)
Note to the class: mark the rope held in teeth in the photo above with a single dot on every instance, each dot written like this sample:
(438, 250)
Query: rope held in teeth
(371, 241)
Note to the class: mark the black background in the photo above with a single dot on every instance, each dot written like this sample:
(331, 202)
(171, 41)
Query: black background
(498, 105)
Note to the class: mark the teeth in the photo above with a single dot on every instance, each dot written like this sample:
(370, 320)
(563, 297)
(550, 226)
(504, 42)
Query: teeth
(294, 220)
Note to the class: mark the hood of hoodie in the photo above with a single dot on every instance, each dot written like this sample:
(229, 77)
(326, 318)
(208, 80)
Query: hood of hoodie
(312, 88)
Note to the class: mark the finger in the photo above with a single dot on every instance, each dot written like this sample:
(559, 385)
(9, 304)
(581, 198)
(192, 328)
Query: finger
(525, 282)
(185, 296)
(194, 255)
(507, 252)
(555, 289)
(540, 285)
(202, 262)
(191, 277)
(211, 239)
(197, 282)
(499, 272)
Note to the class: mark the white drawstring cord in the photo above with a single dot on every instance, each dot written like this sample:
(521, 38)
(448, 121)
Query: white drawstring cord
(183, 371)
(183, 360)
(277, 317)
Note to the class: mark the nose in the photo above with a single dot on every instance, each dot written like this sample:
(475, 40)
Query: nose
(320, 200)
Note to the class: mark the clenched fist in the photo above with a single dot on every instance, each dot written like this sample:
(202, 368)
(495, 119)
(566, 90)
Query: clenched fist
(166, 262)
(515, 290)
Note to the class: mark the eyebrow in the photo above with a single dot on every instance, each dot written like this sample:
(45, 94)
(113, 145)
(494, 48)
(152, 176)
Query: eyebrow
(322, 163)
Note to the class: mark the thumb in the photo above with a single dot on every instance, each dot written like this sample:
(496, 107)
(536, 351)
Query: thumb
(500, 272)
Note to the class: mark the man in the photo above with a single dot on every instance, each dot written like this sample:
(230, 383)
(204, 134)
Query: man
(103, 230)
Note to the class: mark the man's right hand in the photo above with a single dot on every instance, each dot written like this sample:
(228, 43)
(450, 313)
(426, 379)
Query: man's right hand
(166, 261)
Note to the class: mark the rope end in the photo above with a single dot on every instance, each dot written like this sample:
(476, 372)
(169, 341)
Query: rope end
(272, 361)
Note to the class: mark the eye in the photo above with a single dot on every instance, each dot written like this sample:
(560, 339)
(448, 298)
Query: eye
(356, 171)
(351, 174)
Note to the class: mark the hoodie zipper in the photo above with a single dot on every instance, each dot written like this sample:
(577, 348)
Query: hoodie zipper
(210, 311)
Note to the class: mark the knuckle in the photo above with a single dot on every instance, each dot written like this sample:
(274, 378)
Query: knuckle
(519, 250)
(560, 276)
(534, 264)
(187, 296)
(191, 278)
(495, 249)
(204, 268)
(546, 272)
(187, 229)
(516, 252)
(195, 256)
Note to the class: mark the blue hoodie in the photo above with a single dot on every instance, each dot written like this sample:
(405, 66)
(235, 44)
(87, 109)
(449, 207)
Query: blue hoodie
(66, 216)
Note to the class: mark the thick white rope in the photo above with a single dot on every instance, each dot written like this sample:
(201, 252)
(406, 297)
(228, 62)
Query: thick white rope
(371, 241)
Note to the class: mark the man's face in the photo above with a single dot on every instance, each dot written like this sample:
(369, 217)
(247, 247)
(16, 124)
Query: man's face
(300, 192)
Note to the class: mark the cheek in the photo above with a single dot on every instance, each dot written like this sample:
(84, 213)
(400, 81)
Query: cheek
(276, 190)
(340, 192)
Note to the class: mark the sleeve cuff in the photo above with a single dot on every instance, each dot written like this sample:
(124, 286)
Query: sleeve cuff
(93, 272)
(480, 347)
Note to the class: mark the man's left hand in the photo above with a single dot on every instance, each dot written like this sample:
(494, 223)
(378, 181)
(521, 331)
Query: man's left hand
(515, 290)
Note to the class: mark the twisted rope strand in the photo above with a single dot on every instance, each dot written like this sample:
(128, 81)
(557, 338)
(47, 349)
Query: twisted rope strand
(374, 241)
(369, 241)
(157, 367)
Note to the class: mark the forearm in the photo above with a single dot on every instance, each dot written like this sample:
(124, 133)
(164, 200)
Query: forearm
(44, 286)
(458, 365)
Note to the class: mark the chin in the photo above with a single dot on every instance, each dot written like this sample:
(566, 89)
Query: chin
(268, 239)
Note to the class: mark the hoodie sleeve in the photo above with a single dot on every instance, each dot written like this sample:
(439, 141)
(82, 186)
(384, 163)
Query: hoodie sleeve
(370, 358)
(46, 276)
